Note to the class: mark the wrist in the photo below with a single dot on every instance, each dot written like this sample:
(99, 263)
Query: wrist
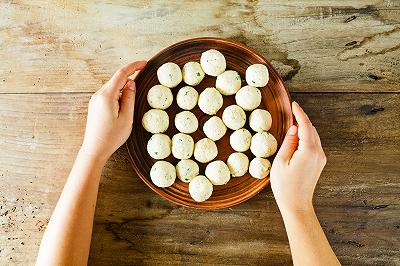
(297, 210)
(91, 156)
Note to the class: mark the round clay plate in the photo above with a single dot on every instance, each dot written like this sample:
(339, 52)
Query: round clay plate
(275, 99)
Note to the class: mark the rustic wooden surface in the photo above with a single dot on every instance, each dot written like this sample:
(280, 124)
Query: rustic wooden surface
(340, 60)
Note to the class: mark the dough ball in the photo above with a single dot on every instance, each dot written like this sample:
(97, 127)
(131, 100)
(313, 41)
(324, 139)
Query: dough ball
(160, 97)
(228, 83)
(186, 170)
(213, 62)
(257, 75)
(260, 120)
(192, 73)
(214, 128)
(182, 146)
(259, 168)
(159, 146)
(163, 174)
(263, 144)
(248, 97)
(186, 122)
(234, 117)
(240, 140)
(210, 101)
(238, 163)
(200, 188)
(218, 173)
(187, 98)
(205, 150)
(169, 75)
(155, 121)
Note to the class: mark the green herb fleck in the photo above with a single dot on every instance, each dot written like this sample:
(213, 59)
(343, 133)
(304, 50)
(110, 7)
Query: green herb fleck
(187, 179)
(238, 78)
(156, 152)
(198, 74)
(253, 81)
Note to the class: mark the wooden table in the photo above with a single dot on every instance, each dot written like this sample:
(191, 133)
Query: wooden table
(341, 61)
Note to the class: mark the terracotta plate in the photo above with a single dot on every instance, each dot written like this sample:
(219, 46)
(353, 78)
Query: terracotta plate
(238, 57)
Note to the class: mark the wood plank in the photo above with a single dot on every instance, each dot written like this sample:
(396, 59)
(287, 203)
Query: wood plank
(319, 46)
(356, 199)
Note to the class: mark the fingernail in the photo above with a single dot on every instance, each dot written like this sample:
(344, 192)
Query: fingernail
(294, 102)
(131, 85)
(292, 130)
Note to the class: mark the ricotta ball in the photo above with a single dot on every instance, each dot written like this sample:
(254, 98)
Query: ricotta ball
(218, 173)
(186, 122)
(234, 117)
(182, 146)
(214, 128)
(238, 164)
(192, 73)
(187, 98)
(257, 75)
(205, 150)
(228, 83)
(259, 168)
(260, 120)
(240, 140)
(200, 188)
(169, 75)
(155, 121)
(160, 97)
(213, 62)
(162, 174)
(159, 146)
(210, 101)
(248, 97)
(186, 170)
(263, 144)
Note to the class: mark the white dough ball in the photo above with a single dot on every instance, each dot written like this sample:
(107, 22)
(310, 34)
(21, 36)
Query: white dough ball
(213, 62)
(257, 75)
(159, 146)
(259, 168)
(228, 83)
(210, 101)
(240, 140)
(263, 144)
(205, 150)
(186, 122)
(187, 98)
(238, 164)
(160, 97)
(169, 75)
(260, 120)
(155, 121)
(214, 128)
(200, 188)
(234, 117)
(218, 173)
(163, 174)
(182, 146)
(248, 97)
(192, 73)
(186, 170)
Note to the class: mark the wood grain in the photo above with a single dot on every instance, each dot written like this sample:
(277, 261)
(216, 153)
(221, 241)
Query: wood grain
(317, 46)
(356, 199)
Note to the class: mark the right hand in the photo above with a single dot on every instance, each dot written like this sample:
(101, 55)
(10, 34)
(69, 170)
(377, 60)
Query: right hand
(297, 165)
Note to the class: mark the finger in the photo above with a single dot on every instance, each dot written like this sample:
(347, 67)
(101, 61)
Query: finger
(119, 79)
(289, 145)
(305, 127)
(127, 100)
(317, 139)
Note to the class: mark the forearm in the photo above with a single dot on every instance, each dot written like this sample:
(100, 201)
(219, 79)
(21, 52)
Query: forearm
(307, 240)
(66, 240)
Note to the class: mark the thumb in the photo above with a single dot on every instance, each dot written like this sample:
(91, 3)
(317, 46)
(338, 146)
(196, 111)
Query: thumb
(127, 100)
(289, 145)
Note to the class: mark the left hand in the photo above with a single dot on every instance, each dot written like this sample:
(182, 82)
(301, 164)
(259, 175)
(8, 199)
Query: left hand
(110, 114)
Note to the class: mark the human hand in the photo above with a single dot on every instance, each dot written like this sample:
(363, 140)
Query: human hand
(110, 114)
(297, 165)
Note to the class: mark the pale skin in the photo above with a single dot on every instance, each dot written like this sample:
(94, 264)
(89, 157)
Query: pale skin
(294, 175)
